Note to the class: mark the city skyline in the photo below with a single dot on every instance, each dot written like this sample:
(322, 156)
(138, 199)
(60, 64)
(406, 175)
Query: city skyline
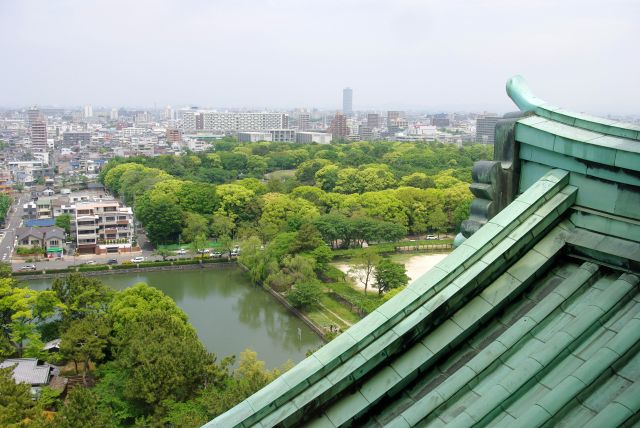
(404, 55)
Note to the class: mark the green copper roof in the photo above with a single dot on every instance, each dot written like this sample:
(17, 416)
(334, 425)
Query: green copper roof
(533, 320)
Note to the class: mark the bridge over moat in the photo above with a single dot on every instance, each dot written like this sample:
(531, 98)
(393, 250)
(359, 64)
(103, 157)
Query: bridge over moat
(534, 319)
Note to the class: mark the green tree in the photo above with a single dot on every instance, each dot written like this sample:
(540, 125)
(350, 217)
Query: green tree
(162, 359)
(83, 409)
(221, 225)
(390, 275)
(198, 244)
(307, 238)
(280, 212)
(195, 225)
(438, 220)
(63, 221)
(327, 177)
(16, 403)
(81, 296)
(305, 294)
(364, 266)
(130, 305)
(200, 198)
(85, 340)
(22, 311)
(161, 216)
(164, 253)
(5, 270)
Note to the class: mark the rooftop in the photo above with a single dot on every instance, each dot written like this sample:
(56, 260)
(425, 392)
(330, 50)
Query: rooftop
(533, 320)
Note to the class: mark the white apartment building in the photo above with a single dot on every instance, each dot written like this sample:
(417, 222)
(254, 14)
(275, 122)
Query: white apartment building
(232, 122)
(283, 135)
(253, 137)
(103, 226)
(313, 137)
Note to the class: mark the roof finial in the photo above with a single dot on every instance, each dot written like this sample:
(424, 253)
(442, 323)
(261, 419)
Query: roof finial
(518, 90)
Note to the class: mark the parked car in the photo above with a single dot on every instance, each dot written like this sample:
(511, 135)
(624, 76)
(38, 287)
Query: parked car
(181, 252)
(215, 254)
(431, 237)
(138, 259)
(112, 262)
(233, 253)
(27, 267)
(203, 251)
(90, 262)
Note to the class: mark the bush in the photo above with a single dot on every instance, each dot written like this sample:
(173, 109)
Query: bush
(92, 268)
(305, 295)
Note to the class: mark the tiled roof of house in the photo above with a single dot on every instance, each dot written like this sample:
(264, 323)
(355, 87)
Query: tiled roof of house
(27, 370)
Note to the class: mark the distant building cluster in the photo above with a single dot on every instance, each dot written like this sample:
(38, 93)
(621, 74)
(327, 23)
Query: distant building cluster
(73, 144)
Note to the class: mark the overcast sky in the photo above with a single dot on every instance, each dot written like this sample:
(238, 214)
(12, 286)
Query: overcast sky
(409, 54)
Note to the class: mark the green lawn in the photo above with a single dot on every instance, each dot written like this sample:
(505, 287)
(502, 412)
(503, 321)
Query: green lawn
(281, 173)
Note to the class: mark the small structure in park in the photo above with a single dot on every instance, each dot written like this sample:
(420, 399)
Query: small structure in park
(27, 370)
(534, 319)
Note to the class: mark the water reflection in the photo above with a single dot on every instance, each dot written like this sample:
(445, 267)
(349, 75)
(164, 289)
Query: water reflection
(229, 313)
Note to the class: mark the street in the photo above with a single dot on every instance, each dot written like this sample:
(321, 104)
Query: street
(14, 220)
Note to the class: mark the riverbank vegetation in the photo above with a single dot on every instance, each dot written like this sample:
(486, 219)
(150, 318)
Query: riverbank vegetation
(135, 357)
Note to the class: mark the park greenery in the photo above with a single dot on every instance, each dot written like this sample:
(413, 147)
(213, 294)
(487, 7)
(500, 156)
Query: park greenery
(140, 361)
(421, 187)
(291, 206)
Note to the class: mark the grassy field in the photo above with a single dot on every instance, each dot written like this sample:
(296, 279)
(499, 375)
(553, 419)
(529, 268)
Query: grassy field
(281, 173)
(331, 313)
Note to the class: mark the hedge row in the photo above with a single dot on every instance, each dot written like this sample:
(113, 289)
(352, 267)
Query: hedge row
(366, 303)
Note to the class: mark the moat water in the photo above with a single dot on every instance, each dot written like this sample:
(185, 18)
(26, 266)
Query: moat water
(228, 312)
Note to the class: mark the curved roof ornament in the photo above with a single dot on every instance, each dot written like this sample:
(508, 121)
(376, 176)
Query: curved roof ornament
(518, 90)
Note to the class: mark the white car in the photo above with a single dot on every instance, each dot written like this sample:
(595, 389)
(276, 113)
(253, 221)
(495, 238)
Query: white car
(431, 238)
(204, 251)
(181, 252)
(27, 267)
(139, 259)
(90, 262)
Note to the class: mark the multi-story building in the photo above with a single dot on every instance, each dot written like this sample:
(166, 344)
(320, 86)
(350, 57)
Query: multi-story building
(373, 120)
(88, 111)
(313, 137)
(5, 182)
(347, 101)
(76, 138)
(33, 114)
(303, 121)
(283, 135)
(103, 226)
(232, 122)
(393, 116)
(339, 128)
(38, 130)
(173, 136)
(253, 137)
(485, 129)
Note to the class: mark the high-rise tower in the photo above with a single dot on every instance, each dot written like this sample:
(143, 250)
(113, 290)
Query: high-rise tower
(347, 101)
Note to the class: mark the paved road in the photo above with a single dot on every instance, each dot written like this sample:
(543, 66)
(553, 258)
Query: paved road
(14, 220)
(69, 261)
